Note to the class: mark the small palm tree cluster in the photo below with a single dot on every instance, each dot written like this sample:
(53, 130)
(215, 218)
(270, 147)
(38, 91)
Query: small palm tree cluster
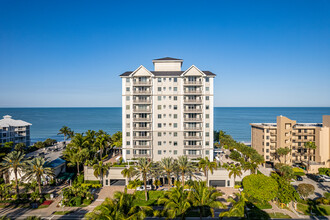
(179, 169)
(34, 170)
(176, 203)
(89, 147)
(120, 207)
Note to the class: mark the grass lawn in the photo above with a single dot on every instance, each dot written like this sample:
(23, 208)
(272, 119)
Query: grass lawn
(62, 212)
(261, 205)
(278, 215)
(152, 200)
(43, 206)
(319, 210)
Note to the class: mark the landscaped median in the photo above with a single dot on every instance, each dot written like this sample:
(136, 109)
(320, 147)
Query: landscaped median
(62, 212)
(313, 209)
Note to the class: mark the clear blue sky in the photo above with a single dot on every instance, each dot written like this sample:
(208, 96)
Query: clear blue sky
(70, 53)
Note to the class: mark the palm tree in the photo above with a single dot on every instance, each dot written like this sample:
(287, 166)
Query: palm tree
(65, 131)
(237, 210)
(176, 202)
(37, 169)
(102, 142)
(255, 160)
(205, 197)
(14, 162)
(128, 172)
(167, 165)
(207, 166)
(286, 171)
(101, 169)
(117, 139)
(282, 152)
(143, 168)
(234, 171)
(77, 151)
(309, 145)
(120, 208)
(185, 167)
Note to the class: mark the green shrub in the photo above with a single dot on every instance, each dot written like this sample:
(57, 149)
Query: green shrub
(79, 179)
(87, 201)
(299, 173)
(41, 200)
(93, 181)
(303, 201)
(78, 201)
(324, 171)
(47, 195)
(24, 196)
(327, 195)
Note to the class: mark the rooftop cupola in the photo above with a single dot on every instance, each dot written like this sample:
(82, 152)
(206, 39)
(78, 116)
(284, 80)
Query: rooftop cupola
(167, 64)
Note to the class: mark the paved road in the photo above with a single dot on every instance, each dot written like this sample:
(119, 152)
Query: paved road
(320, 187)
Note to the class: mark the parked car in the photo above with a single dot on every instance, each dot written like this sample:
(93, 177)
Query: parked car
(325, 178)
(316, 178)
(299, 178)
(141, 188)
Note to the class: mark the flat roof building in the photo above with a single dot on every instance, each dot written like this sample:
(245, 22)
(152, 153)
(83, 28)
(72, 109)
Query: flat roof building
(266, 138)
(167, 112)
(17, 131)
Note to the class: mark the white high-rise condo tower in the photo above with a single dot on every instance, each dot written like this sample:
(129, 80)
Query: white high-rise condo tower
(167, 112)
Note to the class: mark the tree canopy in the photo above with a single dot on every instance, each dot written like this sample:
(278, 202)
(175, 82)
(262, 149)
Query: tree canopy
(260, 187)
(286, 192)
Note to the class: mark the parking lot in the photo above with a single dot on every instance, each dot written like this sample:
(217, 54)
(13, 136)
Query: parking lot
(320, 187)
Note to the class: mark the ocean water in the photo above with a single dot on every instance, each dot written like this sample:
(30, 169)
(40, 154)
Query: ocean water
(235, 121)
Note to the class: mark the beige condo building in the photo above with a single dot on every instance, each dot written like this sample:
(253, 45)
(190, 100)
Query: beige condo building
(167, 112)
(267, 137)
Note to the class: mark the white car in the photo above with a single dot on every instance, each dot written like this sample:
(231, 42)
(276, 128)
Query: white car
(325, 178)
(141, 188)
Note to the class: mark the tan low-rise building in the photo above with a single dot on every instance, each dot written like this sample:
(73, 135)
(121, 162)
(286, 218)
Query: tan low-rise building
(266, 138)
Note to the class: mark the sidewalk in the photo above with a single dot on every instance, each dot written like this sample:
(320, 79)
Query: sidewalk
(275, 208)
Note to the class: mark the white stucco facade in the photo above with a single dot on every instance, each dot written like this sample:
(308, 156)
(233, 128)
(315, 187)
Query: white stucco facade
(167, 112)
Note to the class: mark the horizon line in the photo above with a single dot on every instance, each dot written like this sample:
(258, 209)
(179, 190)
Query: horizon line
(214, 107)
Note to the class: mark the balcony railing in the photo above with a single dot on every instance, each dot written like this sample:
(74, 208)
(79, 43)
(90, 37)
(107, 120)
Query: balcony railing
(142, 137)
(142, 146)
(142, 110)
(142, 92)
(193, 128)
(303, 133)
(192, 119)
(193, 91)
(193, 138)
(272, 139)
(141, 155)
(142, 119)
(142, 128)
(186, 110)
(193, 155)
(193, 101)
(141, 83)
(197, 82)
(193, 146)
(142, 101)
(272, 132)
